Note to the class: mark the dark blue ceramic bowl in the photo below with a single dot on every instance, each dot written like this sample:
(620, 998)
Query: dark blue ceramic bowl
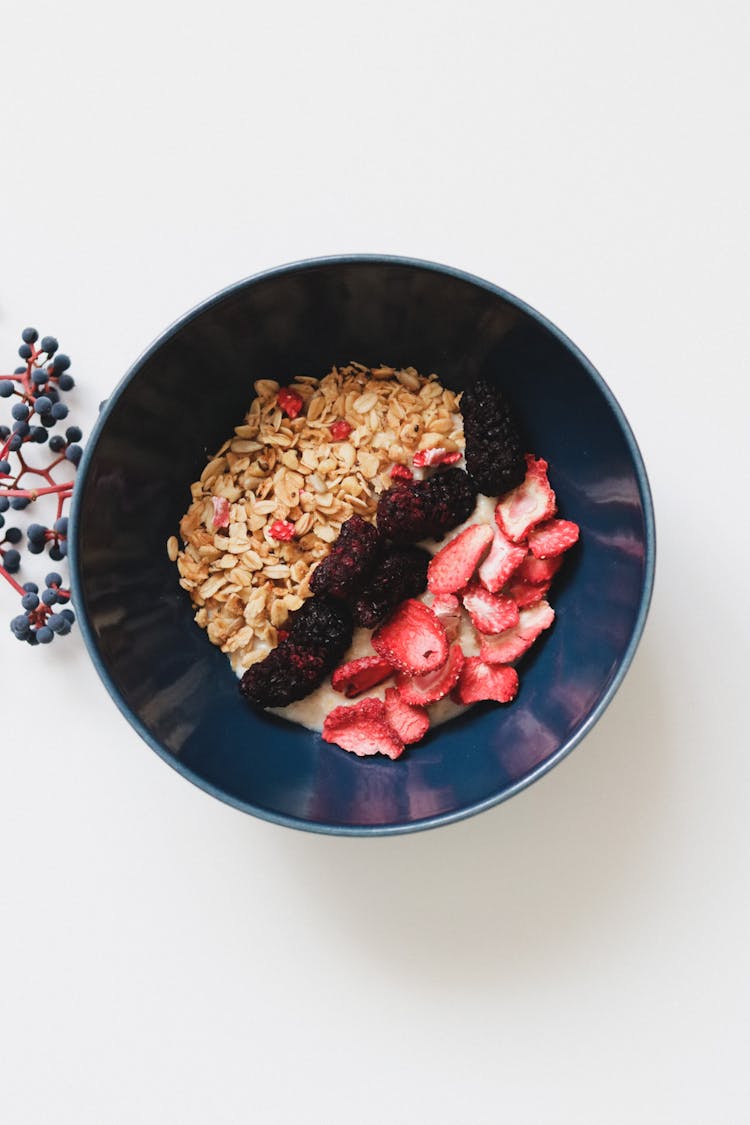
(181, 399)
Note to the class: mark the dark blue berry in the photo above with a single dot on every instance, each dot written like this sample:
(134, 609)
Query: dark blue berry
(73, 433)
(6, 388)
(31, 587)
(36, 548)
(74, 453)
(48, 421)
(64, 629)
(2, 521)
(59, 411)
(4, 432)
(23, 429)
(25, 351)
(12, 560)
(60, 526)
(62, 363)
(57, 443)
(56, 552)
(38, 434)
(49, 597)
(56, 622)
(29, 335)
(15, 442)
(66, 382)
(39, 376)
(52, 394)
(20, 626)
(49, 345)
(30, 602)
(4, 467)
(14, 535)
(44, 635)
(20, 411)
(42, 405)
(19, 503)
(4, 503)
(53, 579)
(68, 615)
(19, 370)
(36, 533)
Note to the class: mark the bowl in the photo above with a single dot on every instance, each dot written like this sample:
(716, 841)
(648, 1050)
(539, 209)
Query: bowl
(179, 402)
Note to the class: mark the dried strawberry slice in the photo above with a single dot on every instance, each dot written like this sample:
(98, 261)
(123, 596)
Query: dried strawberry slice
(490, 613)
(340, 430)
(427, 458)
(412, 639)
(551, 538)
(528, 504)
(363, 729)
(401, 472)
(447, 609)
(360, 675)
(525, 594)
(421, 690)
(503, 558)
(514, 642)
(480, 681)
(537, 571)
(452, 567)
(291, 402)
(221, 511)
(410, 723)
(282, 530)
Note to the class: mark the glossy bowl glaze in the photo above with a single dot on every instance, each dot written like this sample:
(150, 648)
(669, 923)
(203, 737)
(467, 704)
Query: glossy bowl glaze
(179, 402)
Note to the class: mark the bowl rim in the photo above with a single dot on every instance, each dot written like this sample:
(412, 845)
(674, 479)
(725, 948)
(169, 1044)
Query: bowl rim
(440, 819)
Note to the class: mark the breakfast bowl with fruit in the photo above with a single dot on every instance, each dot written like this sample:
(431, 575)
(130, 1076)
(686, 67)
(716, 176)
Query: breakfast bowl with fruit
(362, 545)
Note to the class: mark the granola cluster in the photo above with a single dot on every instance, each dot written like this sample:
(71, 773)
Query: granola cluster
(308, 472)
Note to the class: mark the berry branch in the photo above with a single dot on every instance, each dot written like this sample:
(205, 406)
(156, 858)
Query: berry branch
(36, 388)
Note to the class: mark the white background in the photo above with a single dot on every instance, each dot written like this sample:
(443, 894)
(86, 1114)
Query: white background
(579, 954)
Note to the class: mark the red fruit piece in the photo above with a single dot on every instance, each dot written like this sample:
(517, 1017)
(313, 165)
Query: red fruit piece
(514, 642)
(525, 593)
(401, 472)
(452, 567)
(412, 639)
(363, 729)
(490, 613)
(289, 401)
(221, 511)
(421, 690)
(528, 504)
(429, 457)
(502, 560)
(281, 530)
(360, 675)
(481, 681)
(340, 430)
(550, 539)
(447, 609)
(537, 571)
(410, 723)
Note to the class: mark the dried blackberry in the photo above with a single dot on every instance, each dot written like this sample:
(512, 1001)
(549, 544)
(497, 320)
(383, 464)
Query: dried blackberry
(400, 574)
(289, 672)
(494, 448)
(348, 565)
(320, 634)
(323, 624)
(426, 509)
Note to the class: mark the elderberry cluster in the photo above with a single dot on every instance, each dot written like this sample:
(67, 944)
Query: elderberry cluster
(35, 393)
(40, 622)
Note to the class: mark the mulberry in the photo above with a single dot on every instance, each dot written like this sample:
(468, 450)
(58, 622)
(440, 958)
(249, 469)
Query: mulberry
(494, 449)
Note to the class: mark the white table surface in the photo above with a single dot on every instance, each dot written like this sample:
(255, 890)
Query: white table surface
(579, 954)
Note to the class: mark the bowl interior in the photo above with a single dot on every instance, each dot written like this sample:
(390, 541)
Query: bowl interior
(180, 402)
